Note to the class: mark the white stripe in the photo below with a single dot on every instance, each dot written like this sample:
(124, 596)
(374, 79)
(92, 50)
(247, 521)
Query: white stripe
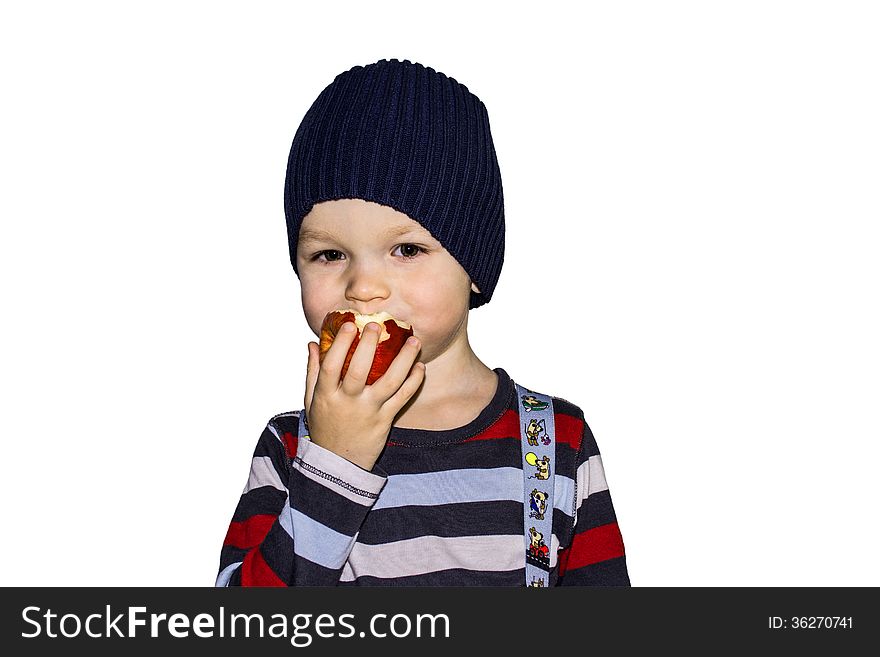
(226, 574)
(263, 473)
(563, 494)
(466, 485)
(451, 487)
(333, 486)
(427, 554)
(590, 479)
(339, 467)
(314, 541)
(597, 481)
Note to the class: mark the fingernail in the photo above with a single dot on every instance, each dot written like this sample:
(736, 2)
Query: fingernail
(412, 341)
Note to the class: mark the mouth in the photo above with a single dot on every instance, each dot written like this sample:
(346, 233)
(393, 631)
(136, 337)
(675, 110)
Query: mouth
(380, 317)
(392, 337)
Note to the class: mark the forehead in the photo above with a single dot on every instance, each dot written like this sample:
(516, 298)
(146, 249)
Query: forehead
(355, 219)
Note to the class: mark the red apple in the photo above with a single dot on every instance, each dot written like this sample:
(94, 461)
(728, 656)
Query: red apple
(391, 340)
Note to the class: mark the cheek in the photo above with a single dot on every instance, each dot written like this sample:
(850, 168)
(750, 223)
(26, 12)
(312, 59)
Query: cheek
(316, 303)
(438, 305)
(429, 290)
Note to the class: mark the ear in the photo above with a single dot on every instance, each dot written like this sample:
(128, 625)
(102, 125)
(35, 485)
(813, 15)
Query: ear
(474, 287)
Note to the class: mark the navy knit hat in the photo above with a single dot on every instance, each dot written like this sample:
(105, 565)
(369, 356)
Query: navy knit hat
(409, 137)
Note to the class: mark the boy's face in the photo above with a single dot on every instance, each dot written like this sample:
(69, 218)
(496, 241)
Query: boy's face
(370, 257)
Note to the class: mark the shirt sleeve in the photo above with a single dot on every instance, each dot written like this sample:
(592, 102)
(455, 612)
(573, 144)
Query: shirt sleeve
(298, 516)
(595, 556)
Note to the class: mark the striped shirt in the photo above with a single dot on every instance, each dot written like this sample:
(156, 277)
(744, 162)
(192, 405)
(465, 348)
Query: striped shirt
(439, 508)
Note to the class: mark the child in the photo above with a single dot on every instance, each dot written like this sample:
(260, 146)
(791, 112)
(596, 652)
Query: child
(394, 203)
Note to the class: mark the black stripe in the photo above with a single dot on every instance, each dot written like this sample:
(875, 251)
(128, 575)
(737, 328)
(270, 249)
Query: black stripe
(277, 549)
(309, 573)
(479, 454)
(612, 572)
(589, 447)
(444, 520)
(495, 518)
(325, 505)
(262, 500)
(565, 407)
(595, 511)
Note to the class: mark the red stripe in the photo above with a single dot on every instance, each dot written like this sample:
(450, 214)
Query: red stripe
(592, 546)
(256, 572)
(569, 430)
(507, 426)
(290, 441)
(248, 533)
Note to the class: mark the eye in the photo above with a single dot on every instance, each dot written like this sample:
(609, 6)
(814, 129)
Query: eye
(318, 255)
(410, 251)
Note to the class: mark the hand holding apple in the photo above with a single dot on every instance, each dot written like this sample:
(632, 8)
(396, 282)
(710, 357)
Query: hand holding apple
(347, 414)
(391, 339)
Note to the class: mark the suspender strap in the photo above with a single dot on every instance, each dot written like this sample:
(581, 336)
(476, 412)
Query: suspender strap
(538, 431)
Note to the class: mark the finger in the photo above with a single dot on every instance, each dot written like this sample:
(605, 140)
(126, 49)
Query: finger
(331, 367)
(399, 369)
(410, 386)
(359, 367)
(311, 375)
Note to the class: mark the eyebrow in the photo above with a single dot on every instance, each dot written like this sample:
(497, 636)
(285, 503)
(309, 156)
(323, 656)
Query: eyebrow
(318, 235)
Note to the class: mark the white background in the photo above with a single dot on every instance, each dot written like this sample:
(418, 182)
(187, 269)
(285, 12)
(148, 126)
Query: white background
(691, 193)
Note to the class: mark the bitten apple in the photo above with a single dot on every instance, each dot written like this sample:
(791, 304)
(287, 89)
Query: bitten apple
(391, 340)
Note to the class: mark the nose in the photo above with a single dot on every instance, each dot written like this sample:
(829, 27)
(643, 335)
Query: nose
(366, 282)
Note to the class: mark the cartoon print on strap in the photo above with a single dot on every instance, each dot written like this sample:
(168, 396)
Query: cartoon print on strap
(537, 429)
(538, 550)
(532, 403)
(538, 451)
(542, 464)
(537, 504)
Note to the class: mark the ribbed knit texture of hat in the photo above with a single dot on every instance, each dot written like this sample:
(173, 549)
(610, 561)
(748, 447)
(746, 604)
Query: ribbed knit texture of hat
(406, 136)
